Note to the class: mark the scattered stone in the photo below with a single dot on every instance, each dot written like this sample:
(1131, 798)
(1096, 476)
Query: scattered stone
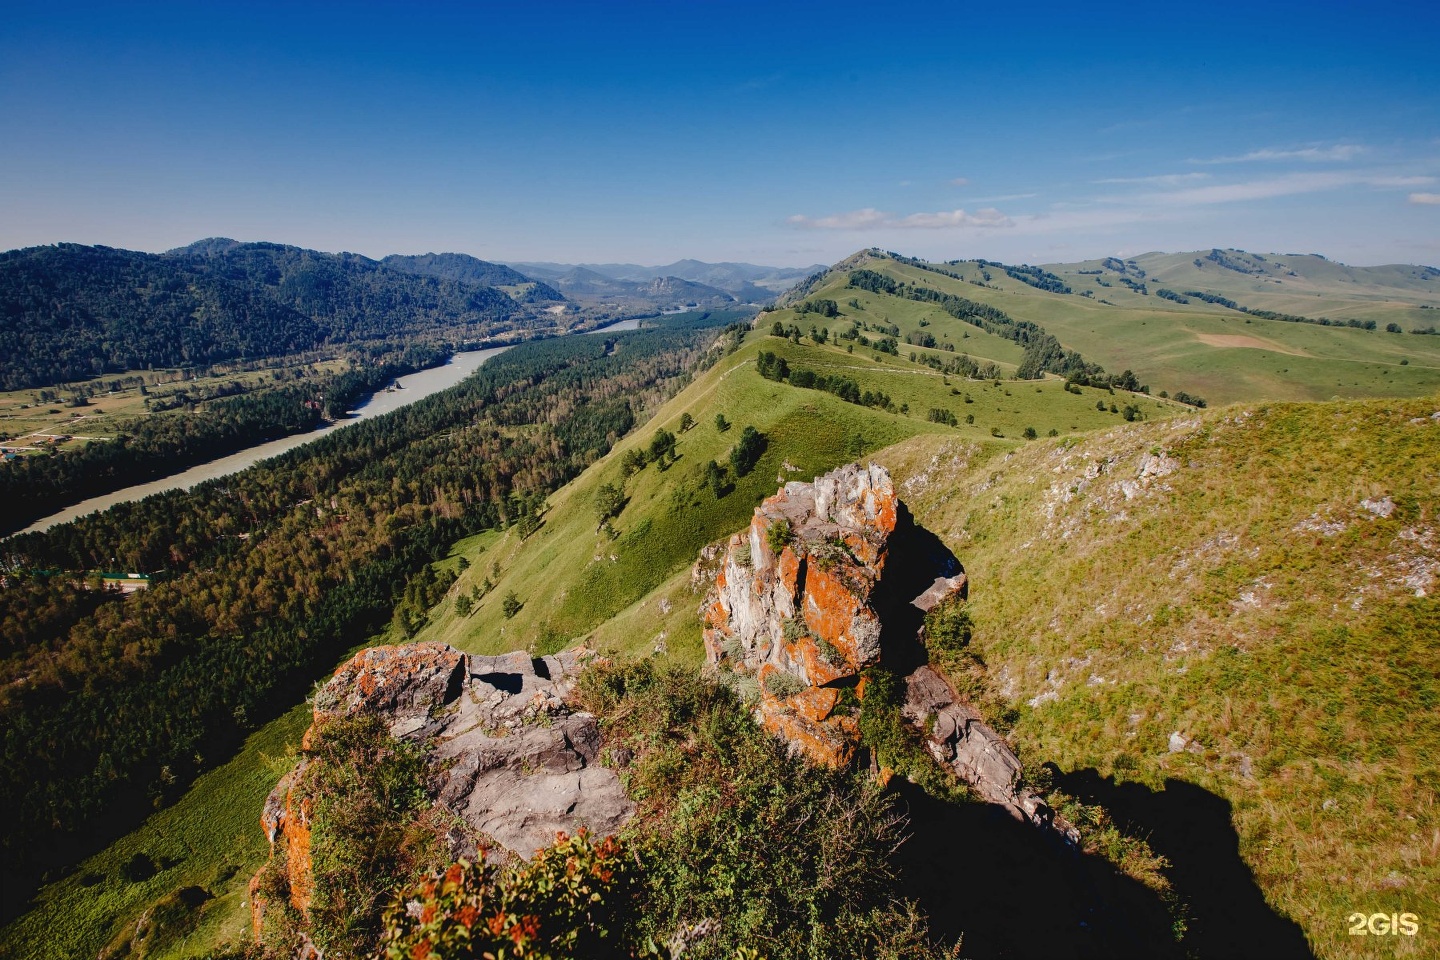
(1177, 742)
(1379, 508)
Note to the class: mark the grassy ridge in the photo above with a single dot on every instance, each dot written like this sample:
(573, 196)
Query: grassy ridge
(572, 578)
(1248, 601)
(1200, 348)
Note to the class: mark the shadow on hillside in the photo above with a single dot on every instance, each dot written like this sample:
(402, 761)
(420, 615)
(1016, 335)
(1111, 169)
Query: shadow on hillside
(916, 557)
(1013, 891)
(1191, 827)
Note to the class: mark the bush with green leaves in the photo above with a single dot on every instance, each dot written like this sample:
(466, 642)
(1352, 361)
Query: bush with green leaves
(778, 535)
(371, 829)
(780, 684)
(747, 451)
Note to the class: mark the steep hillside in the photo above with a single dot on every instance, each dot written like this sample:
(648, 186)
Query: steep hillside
(1224, 628)
(1218, 626)
(574, 574)
(1115, 316)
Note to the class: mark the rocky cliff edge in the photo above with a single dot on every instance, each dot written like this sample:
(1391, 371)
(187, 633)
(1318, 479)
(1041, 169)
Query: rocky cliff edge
(831, 578)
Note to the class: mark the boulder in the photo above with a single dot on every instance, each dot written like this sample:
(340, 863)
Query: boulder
(507, 753)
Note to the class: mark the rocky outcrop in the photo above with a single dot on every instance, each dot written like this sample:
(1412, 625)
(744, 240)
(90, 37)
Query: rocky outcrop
(794, 603)
(507, 754)
(831, 578)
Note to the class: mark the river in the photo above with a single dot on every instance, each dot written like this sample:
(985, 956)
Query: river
(414, 387)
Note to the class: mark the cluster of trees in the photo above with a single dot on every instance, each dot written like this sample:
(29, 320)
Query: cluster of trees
(776, 368)
(262, 578)
(1043, 352)
(1034, 276)
(826, 308)
(71, 312)
(1171, 295)
(1273, 315)
(962, 366)
(1222, 258)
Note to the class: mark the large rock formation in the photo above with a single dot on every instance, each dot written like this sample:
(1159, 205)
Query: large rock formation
(831, 578)
(793, 601)
(506, 752)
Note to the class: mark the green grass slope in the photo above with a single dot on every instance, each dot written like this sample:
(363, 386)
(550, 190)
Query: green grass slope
(572, 578)
(210, 840)
(1272, 601)
(1200, 348)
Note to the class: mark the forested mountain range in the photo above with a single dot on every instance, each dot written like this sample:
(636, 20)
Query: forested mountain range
(468, 269)
(70, 311)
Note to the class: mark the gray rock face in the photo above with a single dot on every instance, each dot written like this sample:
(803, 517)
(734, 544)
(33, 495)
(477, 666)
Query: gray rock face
(959, 738)
(507, 753)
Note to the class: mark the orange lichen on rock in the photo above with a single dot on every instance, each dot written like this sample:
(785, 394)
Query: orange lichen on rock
(839, 613)
(815, 704)
(297, 851)
(808, 610)
(829, 743)
(415, 676)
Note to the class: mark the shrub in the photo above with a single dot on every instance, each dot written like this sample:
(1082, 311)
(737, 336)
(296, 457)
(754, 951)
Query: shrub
(829, 652)
(572, 899)
(794, 858)
(778, 535)
(948, 627)
(370, 829)
(609, 501)
(747, 451)
(510, 605)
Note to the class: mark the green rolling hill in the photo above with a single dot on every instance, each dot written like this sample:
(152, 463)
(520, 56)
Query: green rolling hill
(1201, 348)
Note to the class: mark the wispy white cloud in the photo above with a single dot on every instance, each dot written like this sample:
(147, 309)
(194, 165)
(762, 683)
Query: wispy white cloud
(1288, 184)
(1338, 153)
(1427, 199)
(960, 182)
(1006, 197)
(1160, 180)
(869, 218)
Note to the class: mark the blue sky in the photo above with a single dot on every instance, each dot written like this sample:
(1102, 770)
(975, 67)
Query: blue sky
(774, 133)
